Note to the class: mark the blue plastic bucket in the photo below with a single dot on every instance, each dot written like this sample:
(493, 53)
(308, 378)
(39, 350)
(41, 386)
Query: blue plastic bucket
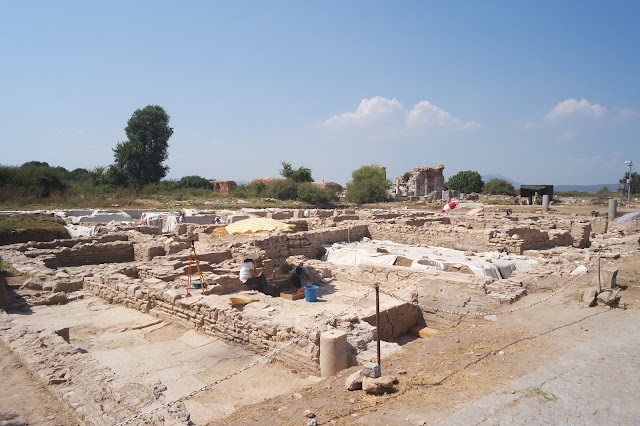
(311, 293)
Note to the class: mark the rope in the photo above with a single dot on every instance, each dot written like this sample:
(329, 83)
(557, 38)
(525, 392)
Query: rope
(244, 368)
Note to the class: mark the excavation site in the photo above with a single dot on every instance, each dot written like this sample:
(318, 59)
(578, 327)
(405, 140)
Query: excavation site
(141, 318)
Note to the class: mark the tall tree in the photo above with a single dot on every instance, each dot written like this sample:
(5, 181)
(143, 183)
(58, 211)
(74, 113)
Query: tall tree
(635, 182)
(141, 158)
(368, 185)
(299, 175)
(466, 182)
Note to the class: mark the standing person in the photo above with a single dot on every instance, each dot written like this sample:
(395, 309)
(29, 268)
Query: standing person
(252, 276)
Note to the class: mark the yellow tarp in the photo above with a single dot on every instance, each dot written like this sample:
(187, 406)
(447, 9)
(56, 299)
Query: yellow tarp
(253, 225)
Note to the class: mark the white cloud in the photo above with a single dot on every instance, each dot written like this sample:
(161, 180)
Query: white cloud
(425, 114)
(573, 108)
(379, 111)
(370, 111)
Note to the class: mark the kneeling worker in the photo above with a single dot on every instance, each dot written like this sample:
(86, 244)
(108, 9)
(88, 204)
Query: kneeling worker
(300, 277)
(252, 276)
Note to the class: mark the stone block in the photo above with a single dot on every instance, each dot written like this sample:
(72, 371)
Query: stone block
(371, 369)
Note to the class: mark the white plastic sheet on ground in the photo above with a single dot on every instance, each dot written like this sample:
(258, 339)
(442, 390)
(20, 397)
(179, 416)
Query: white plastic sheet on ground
(627, 217)
(77, 231)
(103, 217)
(490, 264)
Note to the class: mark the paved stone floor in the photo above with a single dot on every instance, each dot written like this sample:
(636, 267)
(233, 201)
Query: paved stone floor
(597, 382)
(139, 347)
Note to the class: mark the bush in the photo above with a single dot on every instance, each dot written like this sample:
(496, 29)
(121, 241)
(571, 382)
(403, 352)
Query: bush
(311, 194)
(499, 187)
(195, 182)
(285, 189)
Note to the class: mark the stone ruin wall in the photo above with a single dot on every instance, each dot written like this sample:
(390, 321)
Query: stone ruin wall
(142, 290)
(75, 378)
(478, 234)
(225, 322)
(308, 244)
(419, 182)
(90, 254)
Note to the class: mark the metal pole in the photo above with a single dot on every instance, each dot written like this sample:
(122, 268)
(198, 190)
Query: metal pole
(599, 275)
(378, 324)
(629, 183)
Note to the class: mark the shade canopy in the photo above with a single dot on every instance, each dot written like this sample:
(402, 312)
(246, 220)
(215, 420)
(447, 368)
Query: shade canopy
(256, 224)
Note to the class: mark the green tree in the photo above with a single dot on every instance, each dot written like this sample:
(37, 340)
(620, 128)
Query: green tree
(368, 185)
(466, 182)
(299, 175)
(499, 187)
(604, 192)
(141, 157)
(635, 182)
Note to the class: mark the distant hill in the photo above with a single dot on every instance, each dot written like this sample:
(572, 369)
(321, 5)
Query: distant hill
(557, 188)
(585, 188)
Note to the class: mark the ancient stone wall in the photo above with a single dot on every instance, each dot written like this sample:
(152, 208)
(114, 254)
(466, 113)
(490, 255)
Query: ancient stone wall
(75, 378)
(90, 254)
(221, 321)
(419, 182)
(144, 252)
(308, 244)
(395, 321)
(50, 245)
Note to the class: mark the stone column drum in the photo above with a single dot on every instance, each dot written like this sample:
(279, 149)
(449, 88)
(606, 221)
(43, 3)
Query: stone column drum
(334, 352)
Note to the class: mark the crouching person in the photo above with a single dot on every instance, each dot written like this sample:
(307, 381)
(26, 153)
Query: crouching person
(252, 277)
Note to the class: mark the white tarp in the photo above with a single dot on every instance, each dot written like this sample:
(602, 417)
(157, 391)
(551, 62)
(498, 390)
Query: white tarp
(490, 264)
(351, 256)
(627, 217)
(103, 217)
(77, 231)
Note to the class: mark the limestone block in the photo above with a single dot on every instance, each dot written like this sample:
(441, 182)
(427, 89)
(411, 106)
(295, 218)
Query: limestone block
(354, 381)
(67, 285)
(371, 369)
(171, 296)
(378, 386)
(607, 277)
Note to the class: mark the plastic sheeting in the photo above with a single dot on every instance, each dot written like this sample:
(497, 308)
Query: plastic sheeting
(627, 217)
(99, 216)
(491, 264)
(76, 231)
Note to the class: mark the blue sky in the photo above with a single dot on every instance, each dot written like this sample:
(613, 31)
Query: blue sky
(538, 91)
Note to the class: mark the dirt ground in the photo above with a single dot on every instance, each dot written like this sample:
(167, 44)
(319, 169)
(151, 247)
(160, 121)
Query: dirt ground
(442, 374)
(24, 400)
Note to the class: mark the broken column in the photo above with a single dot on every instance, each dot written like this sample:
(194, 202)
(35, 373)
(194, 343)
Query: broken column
(334, 352)
(613, 209)
(545, 203)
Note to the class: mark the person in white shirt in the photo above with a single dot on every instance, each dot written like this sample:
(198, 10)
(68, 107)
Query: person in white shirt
(252, 276)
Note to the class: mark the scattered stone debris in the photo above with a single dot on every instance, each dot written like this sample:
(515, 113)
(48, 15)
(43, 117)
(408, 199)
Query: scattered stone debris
(500, 260)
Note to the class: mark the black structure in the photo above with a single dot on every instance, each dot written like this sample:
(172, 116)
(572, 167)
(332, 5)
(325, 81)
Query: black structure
(529, 191)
